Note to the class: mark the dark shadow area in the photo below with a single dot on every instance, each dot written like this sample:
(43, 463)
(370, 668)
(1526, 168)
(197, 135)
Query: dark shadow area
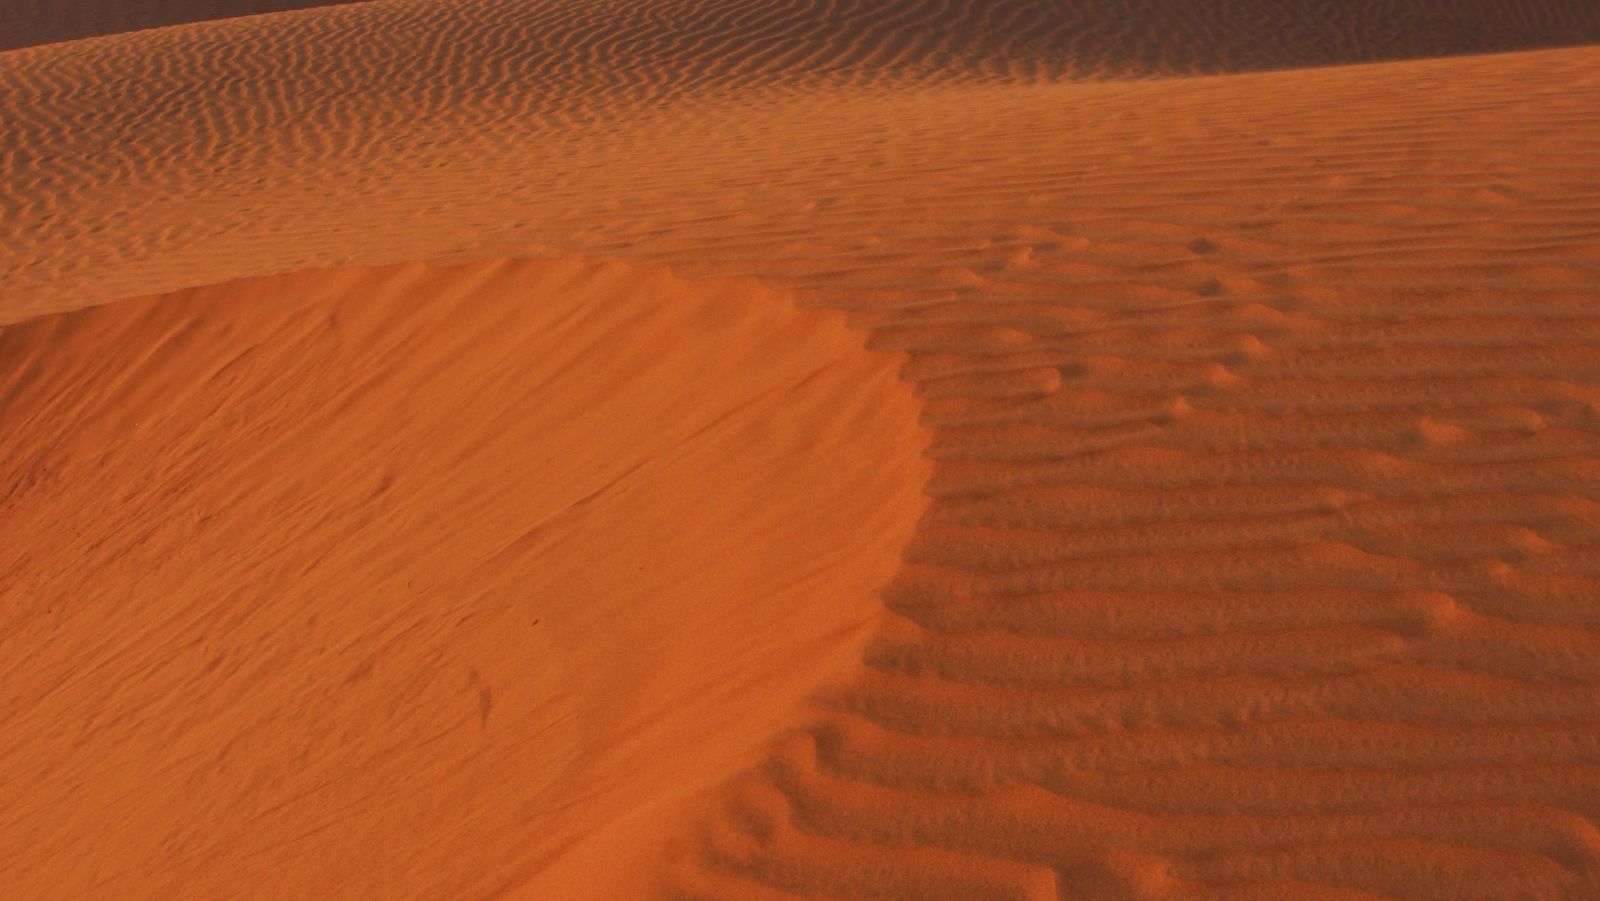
(1218, 36)
(28, 23)
(1106, 37)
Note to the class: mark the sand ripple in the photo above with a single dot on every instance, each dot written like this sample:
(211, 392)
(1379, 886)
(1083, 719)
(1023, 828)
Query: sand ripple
(1260, 559)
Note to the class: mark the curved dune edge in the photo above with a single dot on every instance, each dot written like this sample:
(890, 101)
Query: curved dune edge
(400, 581)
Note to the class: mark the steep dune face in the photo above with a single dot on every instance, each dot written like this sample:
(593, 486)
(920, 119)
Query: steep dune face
(397, 582)
(1265, 415)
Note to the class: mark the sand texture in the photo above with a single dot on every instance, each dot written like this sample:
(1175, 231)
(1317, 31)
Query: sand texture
(695, 449)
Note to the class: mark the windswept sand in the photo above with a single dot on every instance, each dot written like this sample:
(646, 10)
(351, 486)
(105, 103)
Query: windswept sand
(1204, 504)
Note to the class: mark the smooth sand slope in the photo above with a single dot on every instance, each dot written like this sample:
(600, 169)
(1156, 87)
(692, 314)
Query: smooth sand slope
(397, 582)
(1256, 559)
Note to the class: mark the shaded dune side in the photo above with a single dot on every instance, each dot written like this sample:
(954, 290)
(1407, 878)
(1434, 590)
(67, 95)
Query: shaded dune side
(810, 36)
(399, 582)
(28, 23)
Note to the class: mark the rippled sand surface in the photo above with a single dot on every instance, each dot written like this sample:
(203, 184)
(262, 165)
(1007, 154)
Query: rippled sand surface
(777, 449)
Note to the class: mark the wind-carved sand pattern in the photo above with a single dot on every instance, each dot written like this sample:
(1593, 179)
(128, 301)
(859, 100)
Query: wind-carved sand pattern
(1257, 557)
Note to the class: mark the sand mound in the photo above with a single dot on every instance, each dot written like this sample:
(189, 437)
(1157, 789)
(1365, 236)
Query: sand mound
(398, 582)
(1265, 416)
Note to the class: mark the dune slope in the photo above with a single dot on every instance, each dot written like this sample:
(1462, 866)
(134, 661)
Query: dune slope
(31, 22)
(1264, 411)
(818, 35)
(399, 582)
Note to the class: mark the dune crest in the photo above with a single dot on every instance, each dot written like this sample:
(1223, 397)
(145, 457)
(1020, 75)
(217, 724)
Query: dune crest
(399, 582)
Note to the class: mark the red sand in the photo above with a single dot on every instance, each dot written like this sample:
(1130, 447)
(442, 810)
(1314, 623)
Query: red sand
(1256, 558)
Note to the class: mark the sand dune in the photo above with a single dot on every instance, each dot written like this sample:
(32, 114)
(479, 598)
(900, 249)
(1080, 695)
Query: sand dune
(129, 174)
(482, 557)
(814, 36)
(31, 22)
(1256, 559)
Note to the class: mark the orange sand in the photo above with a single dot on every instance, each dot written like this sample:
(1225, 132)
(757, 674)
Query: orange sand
(490, 555)
(1250, 551)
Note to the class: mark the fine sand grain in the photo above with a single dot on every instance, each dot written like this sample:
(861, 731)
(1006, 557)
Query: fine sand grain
(1203, 500)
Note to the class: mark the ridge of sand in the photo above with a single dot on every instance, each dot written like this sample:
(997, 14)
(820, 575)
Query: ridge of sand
(1265, 410)
(399, 581)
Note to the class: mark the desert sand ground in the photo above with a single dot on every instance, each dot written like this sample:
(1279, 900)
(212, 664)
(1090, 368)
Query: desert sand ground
(800, 449)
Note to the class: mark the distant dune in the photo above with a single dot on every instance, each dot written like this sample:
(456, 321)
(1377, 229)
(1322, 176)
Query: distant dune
(812, 36)
(32, 22)
(433, 462)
